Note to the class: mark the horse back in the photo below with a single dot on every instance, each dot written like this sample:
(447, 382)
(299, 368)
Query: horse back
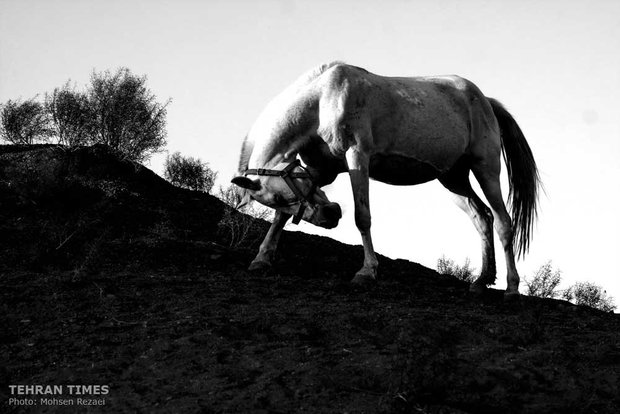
(419, 124)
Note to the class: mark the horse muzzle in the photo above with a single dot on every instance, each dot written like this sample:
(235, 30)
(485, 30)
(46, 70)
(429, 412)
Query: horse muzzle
(327, 215)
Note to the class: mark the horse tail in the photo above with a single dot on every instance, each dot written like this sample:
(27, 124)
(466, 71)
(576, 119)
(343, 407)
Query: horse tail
(522, 175)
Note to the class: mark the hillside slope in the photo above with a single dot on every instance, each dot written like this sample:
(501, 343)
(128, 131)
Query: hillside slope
(109, 275)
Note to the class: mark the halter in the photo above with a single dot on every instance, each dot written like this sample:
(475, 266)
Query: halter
(288, 175)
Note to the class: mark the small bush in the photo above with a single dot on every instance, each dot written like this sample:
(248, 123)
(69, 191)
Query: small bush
(189, 172)
(545, 282)
(447, 266)
(241, 226)
(589, 294)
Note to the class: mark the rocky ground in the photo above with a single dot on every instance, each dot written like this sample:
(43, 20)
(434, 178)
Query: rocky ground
(109, 275)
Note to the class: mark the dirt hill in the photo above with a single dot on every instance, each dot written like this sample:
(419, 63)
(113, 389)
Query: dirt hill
(109, 275)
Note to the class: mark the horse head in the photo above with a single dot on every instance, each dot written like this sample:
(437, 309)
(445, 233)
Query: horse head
(289, 188)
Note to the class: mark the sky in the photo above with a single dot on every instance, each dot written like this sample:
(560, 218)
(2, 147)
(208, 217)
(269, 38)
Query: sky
(554, 64)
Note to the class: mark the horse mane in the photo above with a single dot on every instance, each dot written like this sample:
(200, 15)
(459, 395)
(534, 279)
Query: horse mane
(247, 146)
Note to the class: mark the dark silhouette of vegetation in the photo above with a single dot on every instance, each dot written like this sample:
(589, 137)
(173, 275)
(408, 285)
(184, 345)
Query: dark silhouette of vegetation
(71, 116)
(116, 109)
(447, 266)
(126, 114)
(589, 294)
(239, 225)
(545, 282)
(24, 122)
(189, 172)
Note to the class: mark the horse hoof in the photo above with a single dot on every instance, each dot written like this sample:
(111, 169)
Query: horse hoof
(257, 266)
(363, 280)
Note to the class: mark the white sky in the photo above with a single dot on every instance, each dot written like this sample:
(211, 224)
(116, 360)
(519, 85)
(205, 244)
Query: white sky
(554, 64)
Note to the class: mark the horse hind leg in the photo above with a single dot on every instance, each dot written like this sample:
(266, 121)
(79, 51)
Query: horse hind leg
(482, 218)
(488, 178)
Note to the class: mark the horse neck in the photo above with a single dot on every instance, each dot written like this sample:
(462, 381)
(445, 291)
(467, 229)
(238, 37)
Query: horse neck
(300, 100)
(284, 128)
(274, 151)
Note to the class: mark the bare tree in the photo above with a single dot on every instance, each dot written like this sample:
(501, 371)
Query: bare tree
(71, 116)
(24, 122)
(126, 114)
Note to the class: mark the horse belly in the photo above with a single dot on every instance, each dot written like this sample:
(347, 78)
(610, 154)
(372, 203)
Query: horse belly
(401, 170)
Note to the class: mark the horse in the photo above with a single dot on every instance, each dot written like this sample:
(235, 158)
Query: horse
(340, 118)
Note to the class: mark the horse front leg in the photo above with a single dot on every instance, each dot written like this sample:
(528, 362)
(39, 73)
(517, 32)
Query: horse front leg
(267, 249)
(358, 172)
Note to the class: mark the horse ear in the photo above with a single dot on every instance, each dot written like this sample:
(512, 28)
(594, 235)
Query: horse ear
(243, 200)
(245, 182)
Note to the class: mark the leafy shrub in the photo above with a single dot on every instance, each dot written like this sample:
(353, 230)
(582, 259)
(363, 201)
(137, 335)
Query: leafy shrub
(24, 122)
(447, 266)
(589, 294)
(545, 282)
(189, 172)
(71, 116)
(125, 114)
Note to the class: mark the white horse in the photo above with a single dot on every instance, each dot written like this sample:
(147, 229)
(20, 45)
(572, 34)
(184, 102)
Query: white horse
(398, 130)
